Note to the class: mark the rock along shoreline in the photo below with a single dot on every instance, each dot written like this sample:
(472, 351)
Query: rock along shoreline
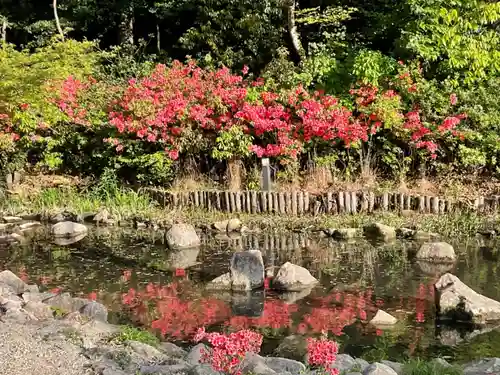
(44, 333)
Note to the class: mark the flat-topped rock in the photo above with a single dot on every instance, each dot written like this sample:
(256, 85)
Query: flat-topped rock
(293, 278)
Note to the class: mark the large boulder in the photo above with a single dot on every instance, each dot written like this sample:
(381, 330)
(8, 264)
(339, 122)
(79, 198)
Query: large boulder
(379, 231)
(438, 251)
(459, 302)
(182, 236)
(247, 270)
(68, 229)
(95, 310)
(12, 282)
(484, 366)
(292, 278)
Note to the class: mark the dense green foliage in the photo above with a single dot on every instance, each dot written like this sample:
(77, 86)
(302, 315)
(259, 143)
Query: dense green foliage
(450, 49)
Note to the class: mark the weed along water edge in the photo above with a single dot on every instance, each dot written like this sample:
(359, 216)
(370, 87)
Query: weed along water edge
(376, 298)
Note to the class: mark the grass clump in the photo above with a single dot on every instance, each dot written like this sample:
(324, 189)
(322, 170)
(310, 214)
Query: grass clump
(418, 367)
(128, 333)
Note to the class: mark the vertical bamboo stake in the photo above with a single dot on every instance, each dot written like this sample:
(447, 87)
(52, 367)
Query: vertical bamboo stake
(195, 199)
(237, 201)
(427, 203)
(371, 201)
(385, 202)
(402, 201)
(253, 197)
(442, 206)
(329, 202)
(354, 202)
(281, 199)
(300, 202)
(288, 203)
(294, 203)
(364, 202)
(408, 205)
(275, 202)
(306, 202)
(341, 205)
(435, 205)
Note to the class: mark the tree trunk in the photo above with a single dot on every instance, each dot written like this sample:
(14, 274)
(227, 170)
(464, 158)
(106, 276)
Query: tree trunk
(127, 27)
(56, 16)
(234, 166)
(4, 30)
(158, 40)
(292, 29)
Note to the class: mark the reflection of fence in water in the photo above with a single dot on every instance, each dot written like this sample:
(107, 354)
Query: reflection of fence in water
(302, 202)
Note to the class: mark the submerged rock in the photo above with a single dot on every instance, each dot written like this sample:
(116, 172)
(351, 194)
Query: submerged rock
(68, 229)
(292, 278)
(231, 225)
(380, 232)
(438, 251)
(434, 269)
(459, 302)
(344, 233)
(65, 241)
(182, 236)
(247, 270)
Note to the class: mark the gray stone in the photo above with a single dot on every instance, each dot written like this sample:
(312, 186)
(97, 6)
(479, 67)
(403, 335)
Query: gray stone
(293, 346)
(13, 282)
(12, 219)
(68, 229)
(220, 283)
(65, 302)
(172, 350)
(379, 369)
(361, 363)
(220, 226)
(439, 251)
(398, 367)
(380, 232)
(440, 362)
(284, 364)
(183, 258)
(30, 226)
(182, 236)
(247, 270)
(144, 350)
(19, 316)
(203, 370)
(65, 241)
(484, 366)
(110, 371)
(36, 297)
(196, 353)
(33, 288)
(234, 225)
(405, 233)
(344, 363)
(420, 235)
(256, 365)
(95, 310)
(434, 269)
(102, 217)
(165, 369)
(382, 318)
(459, 302)
(291, 277)
(345, 233)
(40, 310)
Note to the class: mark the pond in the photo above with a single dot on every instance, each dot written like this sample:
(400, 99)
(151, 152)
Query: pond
(143, 283)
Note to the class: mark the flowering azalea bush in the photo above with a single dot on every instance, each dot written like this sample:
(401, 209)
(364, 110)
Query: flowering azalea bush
(228, 350)
(322, 353)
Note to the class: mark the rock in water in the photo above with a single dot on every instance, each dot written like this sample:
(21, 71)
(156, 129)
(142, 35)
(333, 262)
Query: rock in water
(13, 282)
(439, 251)
(345, 233)
(382, 318)
(457, 301)
(68, 229)
(182, 236)
(247, 270)
(234, 225)
(220, 283)
(380, 232)
(293, 278)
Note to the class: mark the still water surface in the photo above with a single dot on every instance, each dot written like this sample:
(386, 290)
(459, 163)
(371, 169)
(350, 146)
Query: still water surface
(145, 284)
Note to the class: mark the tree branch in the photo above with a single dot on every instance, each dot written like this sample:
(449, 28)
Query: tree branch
(56, 16)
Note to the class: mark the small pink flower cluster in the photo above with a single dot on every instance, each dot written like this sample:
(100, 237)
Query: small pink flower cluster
(323, 353)
(228, 350)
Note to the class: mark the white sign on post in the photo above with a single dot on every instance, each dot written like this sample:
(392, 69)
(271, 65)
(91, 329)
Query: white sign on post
(266, 175)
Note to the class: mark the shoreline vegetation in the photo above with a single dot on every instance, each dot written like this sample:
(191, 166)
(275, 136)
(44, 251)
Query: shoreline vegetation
(126, 206)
